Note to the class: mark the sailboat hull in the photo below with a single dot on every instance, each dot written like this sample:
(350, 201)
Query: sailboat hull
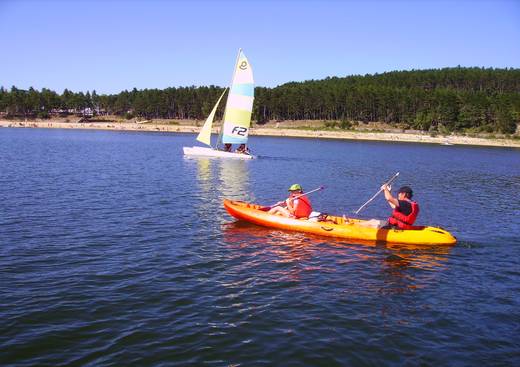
(210, 152)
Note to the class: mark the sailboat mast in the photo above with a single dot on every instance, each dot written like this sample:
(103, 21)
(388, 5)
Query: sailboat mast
(219, 140)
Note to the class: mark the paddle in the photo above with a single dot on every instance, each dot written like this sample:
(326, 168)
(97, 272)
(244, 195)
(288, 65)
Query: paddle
(377, 193)
(267, 208)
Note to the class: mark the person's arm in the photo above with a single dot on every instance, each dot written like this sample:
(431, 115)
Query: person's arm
(394, 203)
(290, 205)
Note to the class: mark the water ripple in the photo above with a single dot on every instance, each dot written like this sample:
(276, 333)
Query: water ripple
(116, 251)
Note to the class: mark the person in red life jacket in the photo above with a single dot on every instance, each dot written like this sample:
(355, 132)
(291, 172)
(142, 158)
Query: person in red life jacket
(297, 205)
(405, 210)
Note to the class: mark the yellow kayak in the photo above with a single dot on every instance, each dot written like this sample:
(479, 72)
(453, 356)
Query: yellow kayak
(333, 226)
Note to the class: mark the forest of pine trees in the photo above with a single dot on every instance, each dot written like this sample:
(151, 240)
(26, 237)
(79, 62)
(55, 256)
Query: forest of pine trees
(452, 99)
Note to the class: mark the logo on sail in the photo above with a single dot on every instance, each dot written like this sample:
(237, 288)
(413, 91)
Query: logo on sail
(243, 65)
(239, 130)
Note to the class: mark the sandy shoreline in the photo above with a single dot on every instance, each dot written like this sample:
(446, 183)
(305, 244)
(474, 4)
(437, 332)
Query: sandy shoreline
(268, 131)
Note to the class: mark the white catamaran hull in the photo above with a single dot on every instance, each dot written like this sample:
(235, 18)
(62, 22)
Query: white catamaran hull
(210, 152)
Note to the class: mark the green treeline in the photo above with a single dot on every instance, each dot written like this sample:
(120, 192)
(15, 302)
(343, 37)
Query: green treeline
(451, 99)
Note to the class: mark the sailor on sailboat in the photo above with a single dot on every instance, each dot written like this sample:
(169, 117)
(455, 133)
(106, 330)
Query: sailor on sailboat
(237, 115)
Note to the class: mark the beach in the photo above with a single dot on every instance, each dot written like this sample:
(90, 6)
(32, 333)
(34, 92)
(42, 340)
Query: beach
(278, 129)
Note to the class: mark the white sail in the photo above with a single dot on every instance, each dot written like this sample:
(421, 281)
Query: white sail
(205, 133)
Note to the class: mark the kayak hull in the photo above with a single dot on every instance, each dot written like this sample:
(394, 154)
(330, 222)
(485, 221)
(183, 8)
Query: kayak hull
(333, 226)
(210, 152)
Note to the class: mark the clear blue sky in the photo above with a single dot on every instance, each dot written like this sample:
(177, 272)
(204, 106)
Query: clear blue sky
(109, 46)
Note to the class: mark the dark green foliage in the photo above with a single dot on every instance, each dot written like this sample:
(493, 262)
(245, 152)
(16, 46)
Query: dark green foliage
(441, 100)
(330, 124)
(505, 121)
(345, 125)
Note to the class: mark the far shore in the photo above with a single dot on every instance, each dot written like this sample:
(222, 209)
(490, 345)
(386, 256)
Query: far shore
(272, 130)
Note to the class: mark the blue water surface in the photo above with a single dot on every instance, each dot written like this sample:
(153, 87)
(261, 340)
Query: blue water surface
(116, 250)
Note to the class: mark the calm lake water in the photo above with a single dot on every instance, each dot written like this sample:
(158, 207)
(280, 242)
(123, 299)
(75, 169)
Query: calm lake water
(115, 250)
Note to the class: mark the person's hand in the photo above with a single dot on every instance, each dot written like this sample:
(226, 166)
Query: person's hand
(386, 187)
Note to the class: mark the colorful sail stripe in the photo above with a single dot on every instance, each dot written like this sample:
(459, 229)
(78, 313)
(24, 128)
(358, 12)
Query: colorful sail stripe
(239, 105)
(240, 102)
(243, 89)
(238, 117)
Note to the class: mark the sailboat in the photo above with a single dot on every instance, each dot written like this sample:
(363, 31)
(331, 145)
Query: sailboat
(237, 115)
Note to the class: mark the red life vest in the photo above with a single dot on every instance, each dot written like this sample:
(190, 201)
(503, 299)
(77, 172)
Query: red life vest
(402, 221)
(303, 207)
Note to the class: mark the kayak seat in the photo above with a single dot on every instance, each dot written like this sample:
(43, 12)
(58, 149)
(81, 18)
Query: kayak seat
(313, 217)
(324, 217)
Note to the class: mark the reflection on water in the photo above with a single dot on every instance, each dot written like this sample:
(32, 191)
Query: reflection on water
(422, 257)
(204, 175)
(293, 252)
(403, 267)
(205, 184)
(234, 178)
(216, 179)
(227, 176)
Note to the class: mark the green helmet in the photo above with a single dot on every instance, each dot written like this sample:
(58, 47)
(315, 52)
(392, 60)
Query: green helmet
(295, 187)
